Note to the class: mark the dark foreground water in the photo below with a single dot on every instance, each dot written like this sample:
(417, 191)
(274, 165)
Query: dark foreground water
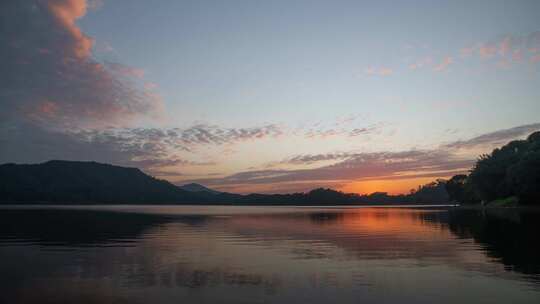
(268, 255)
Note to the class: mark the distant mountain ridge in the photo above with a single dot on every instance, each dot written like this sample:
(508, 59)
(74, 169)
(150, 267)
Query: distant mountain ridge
(80, 182)
(194, 187)
(59, 181)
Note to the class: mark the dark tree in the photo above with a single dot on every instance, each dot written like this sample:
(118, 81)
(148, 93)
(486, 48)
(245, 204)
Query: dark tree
(524, 176)
(460, 190)
(513, 170)
(456, 187)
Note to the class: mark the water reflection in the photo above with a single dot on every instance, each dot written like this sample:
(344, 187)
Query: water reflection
(271, 255)
(509, 236)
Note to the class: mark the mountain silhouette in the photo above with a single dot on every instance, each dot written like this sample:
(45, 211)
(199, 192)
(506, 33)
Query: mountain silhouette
(79, 182)
(194, 187)
(87, 182)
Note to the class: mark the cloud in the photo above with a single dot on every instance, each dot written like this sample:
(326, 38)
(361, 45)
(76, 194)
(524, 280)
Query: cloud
(381, 71)
(313, 158)
(509, 46)
(466, 51)
(320, 131)
(53, 79)
(504, 50)
(65, 13)
(32, 144)
(443, 161)
(29, 143)
(208, 134)
(124, 70)
(424, 62)
(147, 148)
(385, 71)
(501, 46)
(446, 62)
(494, 139)
(487, 51)
(517, 55)
(354, 167)
(364, 131)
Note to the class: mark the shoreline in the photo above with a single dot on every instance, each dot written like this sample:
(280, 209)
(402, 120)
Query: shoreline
(488, 207)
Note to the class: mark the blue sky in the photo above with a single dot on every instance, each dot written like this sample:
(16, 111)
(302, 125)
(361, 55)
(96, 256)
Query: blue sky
(241, 63)
(259, 83)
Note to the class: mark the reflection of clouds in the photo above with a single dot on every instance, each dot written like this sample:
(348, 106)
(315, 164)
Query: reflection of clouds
(233, 255)
(370, 233)
(505, 236)
(67, 291)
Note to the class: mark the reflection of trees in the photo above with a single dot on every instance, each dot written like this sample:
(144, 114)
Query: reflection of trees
(59, 244)
(185, 276)
(66, 292)
(509, 236)
(322, 218)
(65, 227)
(214, 277)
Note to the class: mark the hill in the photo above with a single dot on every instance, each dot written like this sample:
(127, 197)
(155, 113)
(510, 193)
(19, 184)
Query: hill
(86, 182)
(194, 187)
(77, 182)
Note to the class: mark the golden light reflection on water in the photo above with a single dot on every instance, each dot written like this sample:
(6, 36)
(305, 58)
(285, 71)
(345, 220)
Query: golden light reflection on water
(255, 255)
(405, 222)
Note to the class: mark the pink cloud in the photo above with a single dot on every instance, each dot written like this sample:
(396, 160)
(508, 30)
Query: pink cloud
(426, 61)
(66, 12)
(500, 47)
(517, 55)
(385, 71)
(510, 48)
(382, 71)
(48, 108)
(447, 61)
(150, 85)
(504, 63)
(370, 71)
(64, 86)
(505, 46)
(487, 51)
(466, 51)
(125, 70)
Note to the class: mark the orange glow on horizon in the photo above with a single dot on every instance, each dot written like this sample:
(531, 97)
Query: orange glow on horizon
(392, 186)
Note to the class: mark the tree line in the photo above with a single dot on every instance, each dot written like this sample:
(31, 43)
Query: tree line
(510, 174)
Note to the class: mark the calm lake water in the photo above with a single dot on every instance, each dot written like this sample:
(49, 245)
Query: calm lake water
(183, 254)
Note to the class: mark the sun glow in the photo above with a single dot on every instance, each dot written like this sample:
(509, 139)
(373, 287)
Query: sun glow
(392, 186)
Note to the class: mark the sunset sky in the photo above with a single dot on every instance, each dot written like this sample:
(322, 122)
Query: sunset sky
(269, 96)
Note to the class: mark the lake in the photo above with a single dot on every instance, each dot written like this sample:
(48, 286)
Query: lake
(220, 254)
